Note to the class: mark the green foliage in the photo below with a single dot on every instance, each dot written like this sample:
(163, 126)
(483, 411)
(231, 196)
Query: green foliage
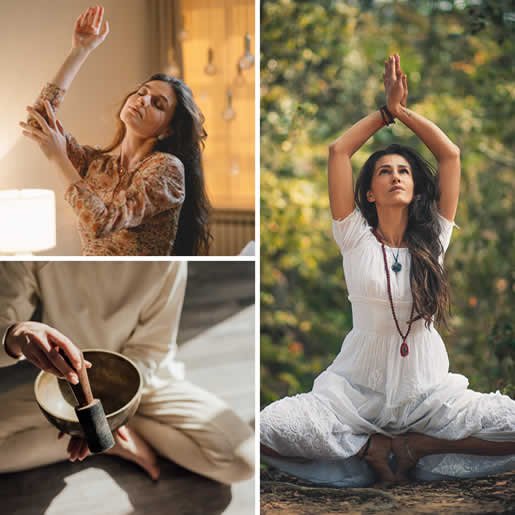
(321, 71)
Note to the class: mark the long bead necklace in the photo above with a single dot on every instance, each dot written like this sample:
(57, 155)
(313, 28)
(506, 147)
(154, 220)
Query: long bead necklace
(404, 346)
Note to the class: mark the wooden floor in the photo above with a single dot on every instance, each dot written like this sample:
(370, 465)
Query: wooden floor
(217, 345)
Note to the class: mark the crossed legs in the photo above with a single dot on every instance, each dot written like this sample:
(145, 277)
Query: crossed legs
(182, 423)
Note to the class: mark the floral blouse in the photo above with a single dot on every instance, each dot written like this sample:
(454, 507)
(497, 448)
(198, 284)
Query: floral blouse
(121, 213)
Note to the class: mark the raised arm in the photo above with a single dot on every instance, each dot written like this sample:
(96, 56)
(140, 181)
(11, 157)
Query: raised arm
(341, 191)
(445, 151)
(88, 33)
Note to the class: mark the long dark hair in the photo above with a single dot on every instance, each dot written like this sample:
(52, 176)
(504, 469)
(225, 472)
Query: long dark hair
(186, 141)
(428, 280)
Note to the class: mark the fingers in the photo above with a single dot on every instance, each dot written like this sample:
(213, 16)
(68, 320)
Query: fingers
(123, 433)
(33, 133)
(41, 120)
(58, 362)
(77, 449)
(69, 348)
(397, 61)
(99, 13)
(105, 29)
(90, 15)
(51, 114)
(60, 128)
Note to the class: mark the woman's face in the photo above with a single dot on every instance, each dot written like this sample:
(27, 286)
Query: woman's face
(148, 111)
(392, 182)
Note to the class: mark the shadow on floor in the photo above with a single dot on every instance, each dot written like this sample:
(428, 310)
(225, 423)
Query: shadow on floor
(110, 486)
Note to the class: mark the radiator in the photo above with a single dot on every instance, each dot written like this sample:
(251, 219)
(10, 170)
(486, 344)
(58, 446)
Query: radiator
(232, 229)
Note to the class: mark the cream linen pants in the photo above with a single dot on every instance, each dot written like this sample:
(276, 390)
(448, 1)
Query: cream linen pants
(182, 422)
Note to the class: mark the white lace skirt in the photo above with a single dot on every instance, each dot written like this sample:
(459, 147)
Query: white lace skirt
(328, 428)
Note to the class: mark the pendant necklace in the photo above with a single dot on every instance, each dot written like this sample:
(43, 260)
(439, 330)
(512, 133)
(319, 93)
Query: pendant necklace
(404, 350)
(396, 267)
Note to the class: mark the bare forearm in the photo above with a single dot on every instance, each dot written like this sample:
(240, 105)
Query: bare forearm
(357, 135)
(432, 136)
(70, 68)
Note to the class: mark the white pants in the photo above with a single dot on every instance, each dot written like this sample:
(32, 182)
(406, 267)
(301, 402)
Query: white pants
(182, 422)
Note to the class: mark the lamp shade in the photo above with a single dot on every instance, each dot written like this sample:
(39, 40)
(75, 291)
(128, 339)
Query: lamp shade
(27, 221)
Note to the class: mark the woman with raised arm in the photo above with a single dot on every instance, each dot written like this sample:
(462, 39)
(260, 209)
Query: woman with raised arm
(389, 390)
(147, 199)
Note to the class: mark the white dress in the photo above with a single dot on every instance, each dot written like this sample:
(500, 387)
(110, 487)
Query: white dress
(370, 388)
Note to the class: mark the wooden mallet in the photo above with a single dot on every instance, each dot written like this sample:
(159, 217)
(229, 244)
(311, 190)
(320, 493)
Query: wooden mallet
(90, 411)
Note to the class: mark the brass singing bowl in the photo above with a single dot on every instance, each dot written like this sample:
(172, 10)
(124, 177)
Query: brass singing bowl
(114, 379)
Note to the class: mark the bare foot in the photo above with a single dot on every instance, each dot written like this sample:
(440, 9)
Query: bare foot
(407, 453)
(130, 446)
(377, 457)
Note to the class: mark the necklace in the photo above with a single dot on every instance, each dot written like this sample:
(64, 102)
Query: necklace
(396, 267)
(404, 350)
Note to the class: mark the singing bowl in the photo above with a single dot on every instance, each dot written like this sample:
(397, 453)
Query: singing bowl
(114, 379)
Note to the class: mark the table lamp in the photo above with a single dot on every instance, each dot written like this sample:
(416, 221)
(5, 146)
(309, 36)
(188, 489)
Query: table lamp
(27, 221)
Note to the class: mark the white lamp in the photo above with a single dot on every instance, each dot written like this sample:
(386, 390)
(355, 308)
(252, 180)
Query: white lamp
(27, 221)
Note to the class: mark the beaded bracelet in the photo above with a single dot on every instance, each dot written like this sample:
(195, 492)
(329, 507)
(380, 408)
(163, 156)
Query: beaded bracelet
(387, 116)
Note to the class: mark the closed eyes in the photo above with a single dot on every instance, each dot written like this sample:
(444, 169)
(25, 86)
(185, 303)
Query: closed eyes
(156, 101)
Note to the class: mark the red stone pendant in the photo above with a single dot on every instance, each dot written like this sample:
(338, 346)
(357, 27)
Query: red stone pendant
(404, 349)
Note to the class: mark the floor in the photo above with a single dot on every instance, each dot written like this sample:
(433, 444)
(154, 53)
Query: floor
(217, 345)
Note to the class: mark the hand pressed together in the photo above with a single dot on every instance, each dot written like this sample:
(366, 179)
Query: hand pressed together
(395, 84)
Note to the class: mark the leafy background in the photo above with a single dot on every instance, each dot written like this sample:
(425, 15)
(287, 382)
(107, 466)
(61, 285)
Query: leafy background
(321, 71)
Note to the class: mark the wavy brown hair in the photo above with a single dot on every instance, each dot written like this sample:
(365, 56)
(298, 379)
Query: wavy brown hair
(185, 141)
(428, 279)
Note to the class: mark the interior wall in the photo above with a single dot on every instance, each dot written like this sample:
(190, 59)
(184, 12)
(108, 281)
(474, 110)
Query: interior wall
(35, 39)
(229, 154)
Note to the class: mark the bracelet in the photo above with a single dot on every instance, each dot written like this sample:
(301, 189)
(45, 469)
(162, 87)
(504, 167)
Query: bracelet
(383, 116)
(391, 118)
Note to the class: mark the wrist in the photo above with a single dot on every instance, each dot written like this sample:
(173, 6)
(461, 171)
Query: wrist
(80, 51)
(11, 346)
(394, 109)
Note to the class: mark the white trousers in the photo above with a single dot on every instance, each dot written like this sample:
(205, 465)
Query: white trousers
(182, 422)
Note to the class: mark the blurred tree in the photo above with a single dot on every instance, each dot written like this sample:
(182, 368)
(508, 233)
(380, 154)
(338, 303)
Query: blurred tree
(321, 70)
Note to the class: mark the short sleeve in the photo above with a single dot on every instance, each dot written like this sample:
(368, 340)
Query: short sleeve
(446, 227)
(350, 231)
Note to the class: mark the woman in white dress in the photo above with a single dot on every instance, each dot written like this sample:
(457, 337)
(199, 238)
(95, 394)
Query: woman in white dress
(389, 390)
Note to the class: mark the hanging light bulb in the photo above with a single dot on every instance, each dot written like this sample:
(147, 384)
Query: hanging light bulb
(210, 68)
(182, 35)
(239, 81)
(247, 60)
(229, 113)
(235, 167)
(173, 68)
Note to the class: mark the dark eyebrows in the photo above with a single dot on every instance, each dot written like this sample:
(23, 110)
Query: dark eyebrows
(160, 96)
(390, 166)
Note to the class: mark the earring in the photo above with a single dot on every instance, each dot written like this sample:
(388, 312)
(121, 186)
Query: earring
(161, 137)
